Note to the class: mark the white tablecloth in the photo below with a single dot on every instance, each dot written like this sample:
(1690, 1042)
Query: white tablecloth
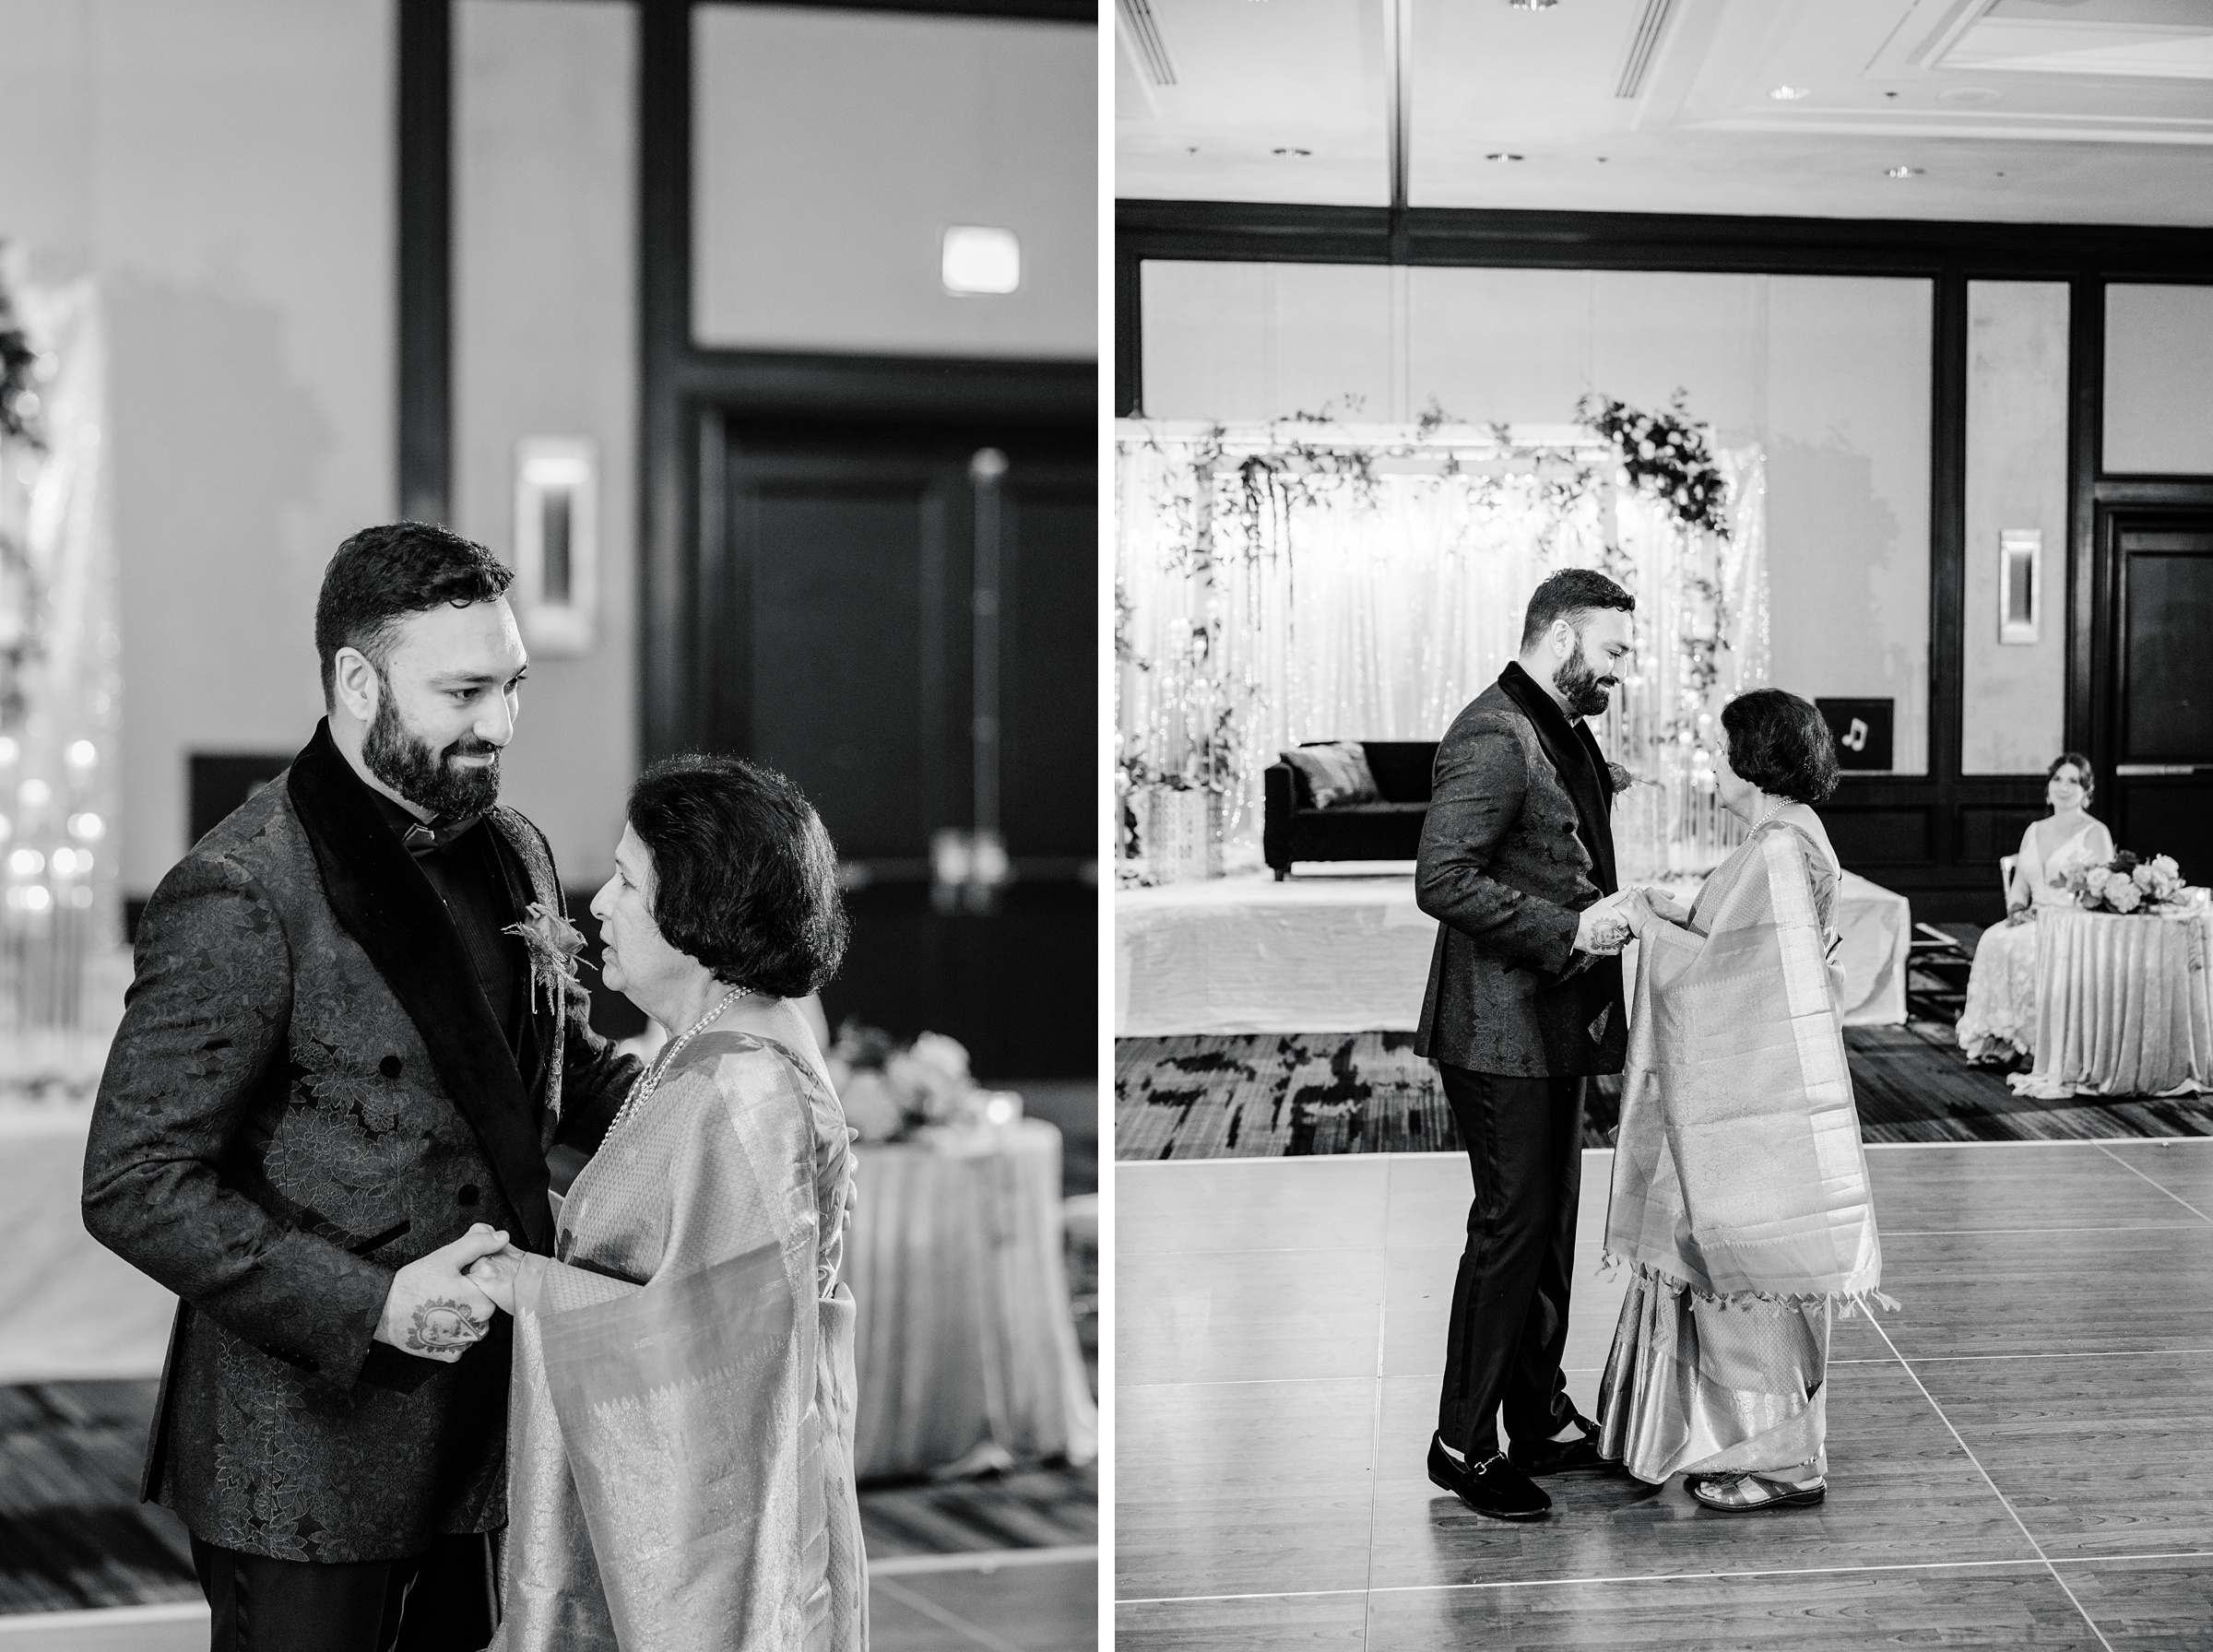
(1352, 955)
(967, 1352)
(69, 1307)
(2124, 1004)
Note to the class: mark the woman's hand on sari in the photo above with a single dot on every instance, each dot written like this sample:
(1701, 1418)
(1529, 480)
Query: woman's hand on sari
(494, 1275)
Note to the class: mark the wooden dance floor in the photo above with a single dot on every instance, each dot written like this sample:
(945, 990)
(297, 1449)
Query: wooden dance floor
(2021, 1458)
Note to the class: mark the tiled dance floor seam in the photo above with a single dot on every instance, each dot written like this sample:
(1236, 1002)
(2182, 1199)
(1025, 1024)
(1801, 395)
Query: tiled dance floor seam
(1993, 1484)
(2016, 1456)
(1542, 1583)
(2169, 1192)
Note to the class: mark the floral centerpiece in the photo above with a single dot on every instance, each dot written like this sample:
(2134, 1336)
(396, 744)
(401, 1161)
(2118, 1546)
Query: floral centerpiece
(2126, 884)
(888, 1090)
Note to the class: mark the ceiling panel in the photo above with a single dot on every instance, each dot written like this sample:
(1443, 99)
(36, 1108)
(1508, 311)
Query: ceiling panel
(2099, 111)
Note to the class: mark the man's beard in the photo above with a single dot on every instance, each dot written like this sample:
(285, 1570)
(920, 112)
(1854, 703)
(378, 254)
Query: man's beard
(1586, 692)
(429, 779)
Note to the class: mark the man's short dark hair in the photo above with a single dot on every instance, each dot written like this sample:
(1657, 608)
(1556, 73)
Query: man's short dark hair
(1570, 594)
(744, 878)
(382, 574)
(1781, 745)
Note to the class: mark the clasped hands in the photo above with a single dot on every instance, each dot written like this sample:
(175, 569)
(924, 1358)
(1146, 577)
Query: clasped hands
(1606, 927)
(440, 1305)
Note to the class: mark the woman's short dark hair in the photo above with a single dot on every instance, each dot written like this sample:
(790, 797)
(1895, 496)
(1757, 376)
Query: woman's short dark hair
(2082, 767)
(744, 878)
(382, 575)
(1781, 744)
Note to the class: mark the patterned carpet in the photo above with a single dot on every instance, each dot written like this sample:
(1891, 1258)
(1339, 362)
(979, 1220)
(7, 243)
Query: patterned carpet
(73, 1535)
(1280, 1095)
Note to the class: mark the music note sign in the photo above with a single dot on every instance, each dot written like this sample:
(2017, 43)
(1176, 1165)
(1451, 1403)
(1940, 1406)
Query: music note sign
(1862, 731)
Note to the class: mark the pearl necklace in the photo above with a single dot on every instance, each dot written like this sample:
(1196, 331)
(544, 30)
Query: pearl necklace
(650, 1079)
(1773, 810)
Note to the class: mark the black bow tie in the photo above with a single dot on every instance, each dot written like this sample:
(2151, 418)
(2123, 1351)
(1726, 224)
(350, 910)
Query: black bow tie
(428, 837)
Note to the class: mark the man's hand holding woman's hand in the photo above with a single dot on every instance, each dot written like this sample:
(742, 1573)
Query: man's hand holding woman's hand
(435, 1309)
(494, 1275)
(1603, 929)
(1607, 926)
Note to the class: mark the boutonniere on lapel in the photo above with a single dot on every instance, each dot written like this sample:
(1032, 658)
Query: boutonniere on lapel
(553, 943)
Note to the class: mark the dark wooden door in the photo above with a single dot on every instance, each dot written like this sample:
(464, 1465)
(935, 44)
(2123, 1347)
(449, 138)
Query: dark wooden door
(839, 610)
(2159, 729)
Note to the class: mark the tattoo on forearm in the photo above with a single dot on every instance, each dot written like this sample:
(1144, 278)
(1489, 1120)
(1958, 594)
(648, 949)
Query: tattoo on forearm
(442, 1325)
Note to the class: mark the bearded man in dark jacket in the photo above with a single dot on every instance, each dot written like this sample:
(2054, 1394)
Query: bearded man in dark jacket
(354, 1038)
(1523, 1008)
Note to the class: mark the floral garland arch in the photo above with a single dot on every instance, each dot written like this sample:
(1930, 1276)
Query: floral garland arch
(1247, 554)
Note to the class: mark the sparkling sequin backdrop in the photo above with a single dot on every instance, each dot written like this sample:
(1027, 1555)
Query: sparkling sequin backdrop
(1295, 582)
(60, 687)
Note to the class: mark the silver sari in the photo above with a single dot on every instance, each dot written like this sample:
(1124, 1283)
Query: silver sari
(1740, 1197)
(680, 1415)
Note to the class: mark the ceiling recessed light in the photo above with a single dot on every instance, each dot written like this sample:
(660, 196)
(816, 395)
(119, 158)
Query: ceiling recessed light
(1968, 97)
(1790, 94)
(978, 259)
(1903, 171)
(1532, 5)
(1501, 155)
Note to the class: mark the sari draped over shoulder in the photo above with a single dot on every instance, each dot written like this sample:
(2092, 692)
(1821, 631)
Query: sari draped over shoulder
(1740, 1195)
(681, 1409)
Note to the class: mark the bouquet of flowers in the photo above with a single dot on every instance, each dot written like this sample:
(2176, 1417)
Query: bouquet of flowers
(889, 1089)
(2125, 884)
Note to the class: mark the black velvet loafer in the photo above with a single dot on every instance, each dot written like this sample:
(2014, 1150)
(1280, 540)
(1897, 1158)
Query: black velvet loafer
(1560, 1457)
(1493, 1487)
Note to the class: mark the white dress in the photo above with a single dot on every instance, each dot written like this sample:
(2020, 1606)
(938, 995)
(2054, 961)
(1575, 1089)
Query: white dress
(2000, 1016)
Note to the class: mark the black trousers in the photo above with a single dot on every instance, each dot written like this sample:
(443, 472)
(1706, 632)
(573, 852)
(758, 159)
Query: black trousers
(1524, 1139)
(442, 1600)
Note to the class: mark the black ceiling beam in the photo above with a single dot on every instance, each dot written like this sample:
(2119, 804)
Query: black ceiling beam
(1709, 242)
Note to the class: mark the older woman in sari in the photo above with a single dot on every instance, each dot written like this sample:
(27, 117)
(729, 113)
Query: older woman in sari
(1740, 1195)
(680, 1414)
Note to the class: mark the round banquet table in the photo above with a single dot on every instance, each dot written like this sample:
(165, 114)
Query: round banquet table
(966, 1350)
(2124, 1004)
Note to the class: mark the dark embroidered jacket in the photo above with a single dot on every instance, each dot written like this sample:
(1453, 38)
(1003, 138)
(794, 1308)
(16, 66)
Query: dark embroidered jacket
(1512, 851)
(308, 1091)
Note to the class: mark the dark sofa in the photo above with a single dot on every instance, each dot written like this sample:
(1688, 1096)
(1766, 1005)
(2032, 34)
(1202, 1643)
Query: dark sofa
(1391, 829)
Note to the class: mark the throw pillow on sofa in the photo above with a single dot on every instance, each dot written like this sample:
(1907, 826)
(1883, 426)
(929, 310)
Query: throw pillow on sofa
(1337, 773)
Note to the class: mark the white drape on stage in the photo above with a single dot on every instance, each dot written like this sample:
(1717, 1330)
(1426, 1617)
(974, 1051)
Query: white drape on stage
(1367, 581)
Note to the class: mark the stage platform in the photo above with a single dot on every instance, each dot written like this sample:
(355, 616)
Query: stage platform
(1347, 951)
(2018, 1458)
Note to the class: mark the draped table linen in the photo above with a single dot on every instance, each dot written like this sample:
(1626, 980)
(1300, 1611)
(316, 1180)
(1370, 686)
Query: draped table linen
(967, 1350)
(2124, 1004)
(70, 1308)
(1351, 954)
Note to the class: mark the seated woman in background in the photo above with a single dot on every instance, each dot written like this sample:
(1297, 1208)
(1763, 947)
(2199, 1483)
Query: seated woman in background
(1999, 1019)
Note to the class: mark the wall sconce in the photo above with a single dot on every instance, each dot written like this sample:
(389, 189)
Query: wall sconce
(2020, 584)
(556, 543)
(980, 260)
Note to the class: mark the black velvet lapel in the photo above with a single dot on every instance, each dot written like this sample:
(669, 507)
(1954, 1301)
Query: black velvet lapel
(539, 1018)
(1581, 764)
(389, 907)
